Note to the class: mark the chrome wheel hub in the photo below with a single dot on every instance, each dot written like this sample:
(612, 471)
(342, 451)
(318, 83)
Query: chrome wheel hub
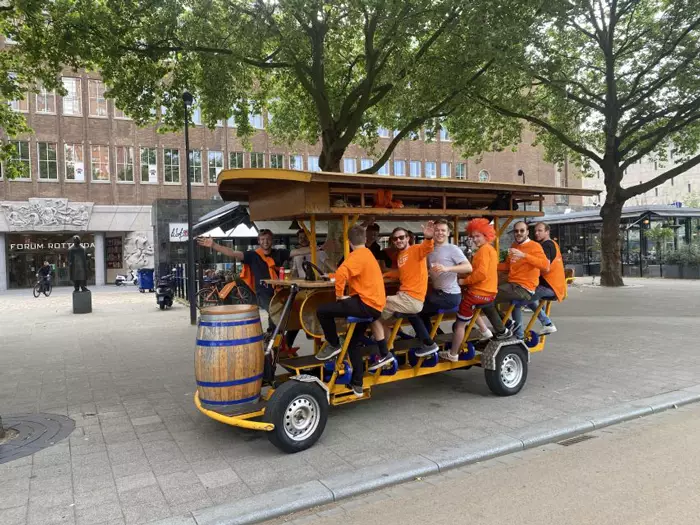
(301, 418)
(511, 370)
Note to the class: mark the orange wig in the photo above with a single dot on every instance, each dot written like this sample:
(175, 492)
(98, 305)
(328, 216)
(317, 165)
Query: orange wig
(482, 226)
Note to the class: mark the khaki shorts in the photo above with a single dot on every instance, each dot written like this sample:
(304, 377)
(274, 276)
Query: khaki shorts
(401, 303)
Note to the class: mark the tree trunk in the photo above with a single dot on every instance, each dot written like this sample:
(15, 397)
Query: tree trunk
(2, 430)
(330, 161)
(610, 268)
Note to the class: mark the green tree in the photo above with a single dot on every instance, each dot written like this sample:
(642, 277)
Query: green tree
(659, 235)
(328, 71)
(608, 82)
(692, 200)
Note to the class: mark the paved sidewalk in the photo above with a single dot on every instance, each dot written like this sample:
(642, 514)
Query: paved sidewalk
(141, 452)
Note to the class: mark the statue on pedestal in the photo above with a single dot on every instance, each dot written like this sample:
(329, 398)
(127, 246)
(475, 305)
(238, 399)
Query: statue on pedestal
(77, 265)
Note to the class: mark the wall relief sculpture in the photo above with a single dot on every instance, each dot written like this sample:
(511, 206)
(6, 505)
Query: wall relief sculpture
(47, 215)
(138, 250)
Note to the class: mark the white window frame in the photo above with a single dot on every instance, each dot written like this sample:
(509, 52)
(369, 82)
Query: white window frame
(414, 169)
(15, 104)
(277, 156)
(197, 116)
(383, 133)
(28, 160)
(296, 162)
(92, 164)
(69, 157)
(313, 163)
(461, 166)
(237, 153)
(366, 164)
(101, 109)
(384, 170)
(445, 170)
(73, 98)
(129, 162)
(256, 120)
(400, 168)
(430, 169)
(444, 135)
(148, 164)
(349, 165)
(215, 164)
(47, 161)
(122, 115)
(485, 176)
(46, 96)
(258, 157)
(171, 166)
(196, 168)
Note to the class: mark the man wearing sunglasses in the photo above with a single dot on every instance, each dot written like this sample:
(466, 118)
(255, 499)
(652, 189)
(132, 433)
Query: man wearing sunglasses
(412, 272)
(526, 260)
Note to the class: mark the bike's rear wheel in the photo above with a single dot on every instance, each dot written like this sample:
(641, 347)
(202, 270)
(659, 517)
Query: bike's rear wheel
(48, 289)
(37, 290)
(206, 298)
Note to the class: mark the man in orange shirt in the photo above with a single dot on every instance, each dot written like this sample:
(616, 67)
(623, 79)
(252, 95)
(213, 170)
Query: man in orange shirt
(366, 298)
(552, 283)
(525, 261)
(412, 272)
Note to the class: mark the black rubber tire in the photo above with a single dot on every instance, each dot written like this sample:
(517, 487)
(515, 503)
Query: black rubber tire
(276, 413)
(200, 299)
(118, 283)
(162, 306)
(493, 377)
(37, 290)
(48, 290)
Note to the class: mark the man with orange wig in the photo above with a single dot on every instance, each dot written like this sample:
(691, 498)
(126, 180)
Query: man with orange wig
(482, 287)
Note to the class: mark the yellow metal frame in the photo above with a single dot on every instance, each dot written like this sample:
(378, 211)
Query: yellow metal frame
(242, 420)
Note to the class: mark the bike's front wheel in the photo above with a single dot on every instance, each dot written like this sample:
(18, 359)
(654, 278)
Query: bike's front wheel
(37, 289)
(206, 298)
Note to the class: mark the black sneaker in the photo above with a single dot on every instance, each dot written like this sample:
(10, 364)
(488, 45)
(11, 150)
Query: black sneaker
(357, 390)
(328, 352)
(505, 334)
(382, 362)
(427, 350)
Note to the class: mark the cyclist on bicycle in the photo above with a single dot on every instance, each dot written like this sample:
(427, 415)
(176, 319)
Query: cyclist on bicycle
(44, 275)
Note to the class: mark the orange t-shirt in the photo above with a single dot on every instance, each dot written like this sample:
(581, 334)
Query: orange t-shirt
(483, 280)
(526, 271)
(555, 276)
(361, 272)
(413, 269)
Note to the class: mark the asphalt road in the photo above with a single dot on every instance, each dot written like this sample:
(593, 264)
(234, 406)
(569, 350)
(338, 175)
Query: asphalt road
(639, 473)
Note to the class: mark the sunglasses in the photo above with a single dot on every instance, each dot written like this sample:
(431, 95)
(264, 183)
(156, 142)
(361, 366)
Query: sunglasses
(399, 238)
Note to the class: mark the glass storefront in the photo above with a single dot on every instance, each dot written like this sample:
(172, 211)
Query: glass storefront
(26, 252)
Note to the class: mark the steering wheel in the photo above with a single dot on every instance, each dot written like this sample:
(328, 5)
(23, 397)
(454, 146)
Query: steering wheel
(310, 271)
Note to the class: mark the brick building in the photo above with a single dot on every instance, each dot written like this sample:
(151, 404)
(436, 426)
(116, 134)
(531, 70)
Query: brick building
(90, 170)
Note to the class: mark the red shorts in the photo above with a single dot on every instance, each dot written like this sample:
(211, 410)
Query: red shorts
(469, 303)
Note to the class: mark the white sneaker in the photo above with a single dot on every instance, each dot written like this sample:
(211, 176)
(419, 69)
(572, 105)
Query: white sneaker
(448, 356)
(548, 329)
(485, 336)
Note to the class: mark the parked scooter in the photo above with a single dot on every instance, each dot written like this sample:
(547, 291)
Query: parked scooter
(165, 291)
(127, 279)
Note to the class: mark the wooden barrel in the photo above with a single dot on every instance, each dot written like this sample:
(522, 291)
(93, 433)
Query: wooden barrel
(229, 357)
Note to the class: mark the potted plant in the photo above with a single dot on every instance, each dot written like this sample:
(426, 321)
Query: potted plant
(683, 263)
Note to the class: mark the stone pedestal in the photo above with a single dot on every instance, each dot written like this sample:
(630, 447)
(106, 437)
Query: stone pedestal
(82, 302)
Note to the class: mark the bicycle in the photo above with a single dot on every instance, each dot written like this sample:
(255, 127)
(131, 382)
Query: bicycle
(43, 286)
(215, 294)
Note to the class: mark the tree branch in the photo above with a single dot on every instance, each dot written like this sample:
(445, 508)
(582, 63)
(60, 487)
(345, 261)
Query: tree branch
(633, 191)
(556, 85)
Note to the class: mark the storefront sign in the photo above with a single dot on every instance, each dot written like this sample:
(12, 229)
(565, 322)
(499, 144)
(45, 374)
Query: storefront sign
(48, 246)
(178, 232)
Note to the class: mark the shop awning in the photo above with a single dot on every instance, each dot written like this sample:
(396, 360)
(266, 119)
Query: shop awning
(628, 212)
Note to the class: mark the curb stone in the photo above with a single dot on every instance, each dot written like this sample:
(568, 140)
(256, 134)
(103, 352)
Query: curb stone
(278, 503)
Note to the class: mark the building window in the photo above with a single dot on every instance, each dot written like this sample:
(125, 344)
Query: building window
(98, 102)
(350, 165)
(365, 164)
(257, 160)
(125, 163)
(296, 162)
(672, 181)
(445, 171)
(21, 106)
(73, 99)
(196, 166)
(48, 169)
(689, 188)
(383, 133)
(118, 113)
(149, 166)
(75, 165)
(656, 192)
(219, 123)
(485, 176)
(313, 164)
(171, 166)
(444, 135)
(21, 158)
(384, 170)
(276, 161)
(256, 120)
(230, 122)
(235, 159)
(414, 135)
(414, 168)
(461, 171)
(99, 163)
(430, 170)
(197, 116)
(400, 168)
(215, 163)
(46, 101)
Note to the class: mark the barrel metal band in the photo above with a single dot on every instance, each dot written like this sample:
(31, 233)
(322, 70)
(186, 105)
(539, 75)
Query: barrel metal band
(231, 342)
(233, 402)
(235, 382)
(219, 324)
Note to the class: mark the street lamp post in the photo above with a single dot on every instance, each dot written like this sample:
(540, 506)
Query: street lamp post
(521, 173)
(188, 99)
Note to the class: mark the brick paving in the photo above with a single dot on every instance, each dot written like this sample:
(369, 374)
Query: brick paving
(141, 452)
